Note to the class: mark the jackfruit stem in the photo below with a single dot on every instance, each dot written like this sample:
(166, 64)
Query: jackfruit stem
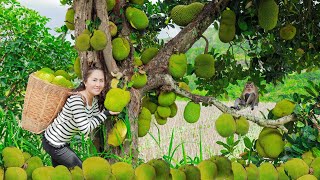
(207, 44)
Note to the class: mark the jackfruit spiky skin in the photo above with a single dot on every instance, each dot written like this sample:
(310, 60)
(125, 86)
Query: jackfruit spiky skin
(69, 18)
(137, 61)
(122, 171)
(160, 120)
(12, 157)
(282, 173)
(225, 125)
(117, 134)
(120, 48)
(42, 173)
(161, 167)
(148, 54)
(77, 68)
(270, 142)
(182, 15)
(208, 169)
(110, 4)
(145, 171)
(113, 29)
(61, 172)
(227, 28)
(296, 168)
(144, 120)
(267, 171)
(192, 172)
(116, 99)
(283, 108)
(238, 171)
(63, 73)
(82, 42)
(77, 173)
(99, 40)
(166, 98)
(26, 155)
(315, 165)
(32, 164)
(47, 77)
(223, 165)
(139, 2)
(137, 18)
(191, 112)
(139, 80)
(178, 65)
(176, 174)
(252, 172)
(260, 150)
(288, 32)
(62, 81)
(147, 103)
(268, 14)
(15, 173)
(307, 177)
(96, 168)
(242, 126)
(164, 112)
(204, 66)
(173, 109)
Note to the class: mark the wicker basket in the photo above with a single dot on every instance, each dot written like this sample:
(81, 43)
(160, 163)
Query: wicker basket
(42, 102)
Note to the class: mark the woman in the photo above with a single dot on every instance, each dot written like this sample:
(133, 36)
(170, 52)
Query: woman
(79, 114)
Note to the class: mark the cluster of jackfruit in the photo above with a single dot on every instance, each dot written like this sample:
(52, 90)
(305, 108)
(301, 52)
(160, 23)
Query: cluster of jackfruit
(227, 28)
(204, 66)
(283, 108)
(97, 40)
(177, 65)
(182, 15)
(116, 99)
(270, 143)
(137, 18)
(268, 14)
(117, 134)
(59, 77)
(226, 125)
(288, 32)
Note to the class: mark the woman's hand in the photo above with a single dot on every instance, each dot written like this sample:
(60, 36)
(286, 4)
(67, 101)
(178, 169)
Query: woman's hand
(114, 113)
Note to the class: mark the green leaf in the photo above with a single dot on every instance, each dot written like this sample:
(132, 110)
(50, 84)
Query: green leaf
(223, 144)
(247, 142)
(230, 140)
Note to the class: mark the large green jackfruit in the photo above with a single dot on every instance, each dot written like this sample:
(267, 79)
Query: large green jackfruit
(208, 169)
(267, 171)
(12, 157)
(224, 167)
(148, 54)
(307, 177)
(166, 98)
(110, 4)
(268, 14)
(144, 120)
(116, 99)
(176, 174)
(182, 15)
(98, 41)
(161, 167)
(122, 171)
(63, 73)
(163, 111)
(296, 168)
(26, 155)
(242, 126)
(145, 171)
(225, 125)
(42, 173)
(96, 168)
(283, 108)
(178, 65)
(288, 32)
(113, 29)
(61, 172)
(15, 173)
(32, 164)
(315, 165)
(120, 48)
(192, 172)
(139, 80)
(173, 109)
(227, 28)
(252, 172)
(76, 173)
(69, 18)
(281, 172)
(82, 42)
(239, 171)
(147, 103)
(191, 112)
(160, 120)
(137, 18)
(204, 66)
(117, 134)
(271, 143)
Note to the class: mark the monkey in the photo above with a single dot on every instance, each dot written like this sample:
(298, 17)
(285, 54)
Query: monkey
(249, 96)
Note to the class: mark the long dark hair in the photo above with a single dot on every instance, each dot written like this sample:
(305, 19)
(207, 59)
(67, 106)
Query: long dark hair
(82, 87)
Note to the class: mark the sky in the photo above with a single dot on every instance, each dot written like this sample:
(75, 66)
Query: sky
(56, 12)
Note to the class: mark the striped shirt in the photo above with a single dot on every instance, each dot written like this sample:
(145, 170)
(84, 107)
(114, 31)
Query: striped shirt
(74, 117)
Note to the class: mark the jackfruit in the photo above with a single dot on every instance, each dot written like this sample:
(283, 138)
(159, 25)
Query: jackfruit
(96, 168)
(82, 42)
(42, 173)
(204, 66)
(61, 172)
(271, 142)
(267, 171)
(12, 157)
(281, 173)
(176, 174)
(26, 156)
(184, 86)
(296, 168)
(144, 120)
(1, 173)
(76, 173)
(192, 172)
(160, 120)
(62, 81)
(69, 18)
(145, 171)
(299, 52)
(225, 125)
(288, 32)
(227, 28)
(139, 80)
(116, 99)
(77, 68)
(239, 172)
(161, 167)
(137, 18)
(47, 77)
(137, 61)
(122, 171)
(63, 73)
(191, 112)
(315, 166)
(307, 157)
(113, 29)
(139, 2)
(307, 177)
(208, 169)
(242, 126)
(148, 54)
(177, 65)
(252, 171)
(268, 14)
(47, 70)
(120, 48)
(182, 15)
(283, 108)
(147, 103)
(110, 4)
(164, 112)
(99, 40)
(32, 164)
(15, 173)
(173, 109)
(260, 150)
(223, 165)
(166, 98)
(117, 134)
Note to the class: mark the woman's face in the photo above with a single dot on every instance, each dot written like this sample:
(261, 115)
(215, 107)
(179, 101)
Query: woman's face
(95, 82)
